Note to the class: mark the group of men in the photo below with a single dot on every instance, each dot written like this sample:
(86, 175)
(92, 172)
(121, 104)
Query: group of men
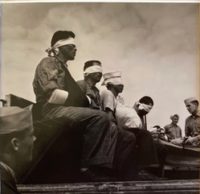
(192, 125)
(114, 136)
(105, 145)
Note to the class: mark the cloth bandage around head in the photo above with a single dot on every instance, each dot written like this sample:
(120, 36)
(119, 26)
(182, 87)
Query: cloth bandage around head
(58, 97)
(144, 107)
(114, 81)
(63, 42)
(113, 78)
(58, 44)
(93, 69)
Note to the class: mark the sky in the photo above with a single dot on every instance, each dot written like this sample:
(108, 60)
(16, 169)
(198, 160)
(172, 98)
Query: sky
(154, 45)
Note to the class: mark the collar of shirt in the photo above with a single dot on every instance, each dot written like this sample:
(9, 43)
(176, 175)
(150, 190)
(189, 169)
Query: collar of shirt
(89, 83)
(9, 170)
(173, 125)
(92, 86)
(198, 113)
(61, 61)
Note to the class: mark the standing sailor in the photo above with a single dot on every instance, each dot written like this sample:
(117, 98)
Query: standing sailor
(172, 130)
(192, 123)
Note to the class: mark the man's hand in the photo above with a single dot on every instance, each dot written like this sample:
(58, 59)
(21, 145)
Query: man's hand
(110, 115)
(191, 140)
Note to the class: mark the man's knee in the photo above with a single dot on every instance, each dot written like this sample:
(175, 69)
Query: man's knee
(145, 133)
(101, 116)
(128, 136)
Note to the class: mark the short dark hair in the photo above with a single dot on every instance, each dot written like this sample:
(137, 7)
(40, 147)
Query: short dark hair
(90, 63)
(146, 100)
(59, 35)
(109, 85)
(175, 115)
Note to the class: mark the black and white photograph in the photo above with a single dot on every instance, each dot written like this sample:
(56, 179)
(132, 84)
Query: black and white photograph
(99, 97)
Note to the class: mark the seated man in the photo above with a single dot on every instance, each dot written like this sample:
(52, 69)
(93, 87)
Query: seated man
(131, 119)
(124, 155)
(61, 99)
(16, 145)
(173, 130)
(92, 75)
(192, 125)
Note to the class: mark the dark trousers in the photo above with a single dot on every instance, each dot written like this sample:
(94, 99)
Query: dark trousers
(125, 156)
(98, 138)
(146, 149)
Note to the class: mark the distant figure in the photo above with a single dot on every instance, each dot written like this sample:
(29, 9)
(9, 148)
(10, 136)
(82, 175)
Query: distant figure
(192, 123)
(92, 75)
(173, 130)
(158, 133)
(16, 145)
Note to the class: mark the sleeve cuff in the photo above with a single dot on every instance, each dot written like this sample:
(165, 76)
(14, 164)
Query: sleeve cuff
(58, 97)
(89, 99)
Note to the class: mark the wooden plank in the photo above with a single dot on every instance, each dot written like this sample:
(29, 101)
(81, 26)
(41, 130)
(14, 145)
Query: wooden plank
(150, 187)
(13, 100)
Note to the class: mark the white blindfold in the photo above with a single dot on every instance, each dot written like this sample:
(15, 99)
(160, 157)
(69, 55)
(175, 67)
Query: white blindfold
(144, 107)
(93, 69)
(63, 42)
(114, 81)
(59, 43)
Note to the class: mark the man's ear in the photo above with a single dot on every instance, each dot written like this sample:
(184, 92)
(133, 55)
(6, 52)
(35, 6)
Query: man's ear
(109, 85)
(137, 104)
(56, 50)
(15, 143)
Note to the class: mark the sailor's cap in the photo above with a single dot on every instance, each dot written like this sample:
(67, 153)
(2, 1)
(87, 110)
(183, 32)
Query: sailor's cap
(191, 99)
(14, 119)
(112, 77)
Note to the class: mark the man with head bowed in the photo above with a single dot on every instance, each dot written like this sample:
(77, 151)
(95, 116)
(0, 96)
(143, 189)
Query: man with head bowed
(130, 119)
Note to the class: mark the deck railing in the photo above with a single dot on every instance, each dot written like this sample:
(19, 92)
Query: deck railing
(132, 187)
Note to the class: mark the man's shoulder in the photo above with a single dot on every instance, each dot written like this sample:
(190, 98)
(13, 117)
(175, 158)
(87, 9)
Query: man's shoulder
(8, 185)
(82, 84)
(47, 61)
(168, 126)
(5, 175)
(106, 92)
(128, 117)
(127, 111)
(178, 127)
(198, 113)
(188, 118)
